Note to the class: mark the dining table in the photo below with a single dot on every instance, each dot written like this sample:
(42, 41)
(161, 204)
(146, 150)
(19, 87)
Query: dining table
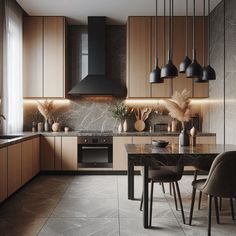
(145, 154)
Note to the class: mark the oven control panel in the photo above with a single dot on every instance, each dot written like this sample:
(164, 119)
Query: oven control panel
(94, 139)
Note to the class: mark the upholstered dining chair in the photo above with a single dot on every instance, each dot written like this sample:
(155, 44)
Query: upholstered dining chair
(160, 173)
(221, 182)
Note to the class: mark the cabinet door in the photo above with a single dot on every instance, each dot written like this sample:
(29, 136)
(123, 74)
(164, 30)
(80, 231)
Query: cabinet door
(36, 156)
(139, 56)
(47, 153)
(164, 89)
(33, 56)
(206, 140)
(142, 140)
(3, 174)
(27, 160)
(69, 153)
(14, 168)
(119, 152)
(54, 56)
(57, 151)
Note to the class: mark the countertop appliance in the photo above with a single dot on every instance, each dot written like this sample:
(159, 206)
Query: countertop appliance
(95, 151)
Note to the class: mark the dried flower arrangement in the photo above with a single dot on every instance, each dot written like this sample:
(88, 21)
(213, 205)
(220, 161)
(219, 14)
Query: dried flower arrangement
(178, 106)
(45, 108)
(120, 111)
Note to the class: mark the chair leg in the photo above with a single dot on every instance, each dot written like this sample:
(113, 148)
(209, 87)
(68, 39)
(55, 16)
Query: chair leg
(170, 189)
(199, 200)
(180, 201)
(209, 214)
(192, 206)
(141, 203)
(232, 207)
(195, 175)
(176, 205)
(217, 210)
(220, 203)
(151, 203)
(163, 188)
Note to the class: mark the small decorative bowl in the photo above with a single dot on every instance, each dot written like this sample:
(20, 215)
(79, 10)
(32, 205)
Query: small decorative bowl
(160, 143)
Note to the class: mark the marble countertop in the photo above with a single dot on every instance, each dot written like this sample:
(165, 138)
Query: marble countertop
(28, 135)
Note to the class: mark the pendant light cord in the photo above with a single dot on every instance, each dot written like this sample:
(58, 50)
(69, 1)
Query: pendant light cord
(169, 41)
(194, 28)
(203, 35)
(164, 35)
(208, 25)
(172, 14)
(186, 28)
(156, 30)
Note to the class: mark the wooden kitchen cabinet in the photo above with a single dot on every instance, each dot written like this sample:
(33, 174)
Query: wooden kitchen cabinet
(119, 153)
(69, 153)
(54, 57)
(36, 156)
(3, 174)
(44, 57)
(206, 140)
(47, 153)
(138, 56)
(27, 161)
(33, 56)
(14, 168)
(142, 140)
(170, 139)
(57, 153)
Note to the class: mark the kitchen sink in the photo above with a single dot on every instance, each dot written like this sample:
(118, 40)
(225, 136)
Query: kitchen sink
(6, 136)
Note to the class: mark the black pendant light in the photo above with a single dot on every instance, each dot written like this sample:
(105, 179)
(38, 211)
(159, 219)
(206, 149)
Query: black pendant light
(170, 71)
(186, 62)
(155, 75)
(208, 72)
(194, 70)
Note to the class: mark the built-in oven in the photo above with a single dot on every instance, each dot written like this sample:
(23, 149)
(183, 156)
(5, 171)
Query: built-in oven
(95, 151)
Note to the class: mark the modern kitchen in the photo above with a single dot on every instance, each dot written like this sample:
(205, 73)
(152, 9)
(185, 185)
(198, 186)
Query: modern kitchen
(117, 117)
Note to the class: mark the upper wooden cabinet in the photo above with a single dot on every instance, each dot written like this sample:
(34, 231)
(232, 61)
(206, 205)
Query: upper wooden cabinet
(44, 57)
(141, 57)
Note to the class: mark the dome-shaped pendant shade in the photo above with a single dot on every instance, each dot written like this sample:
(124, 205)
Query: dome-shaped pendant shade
(169, 70)
(208, 73)
(155, 76)
(194, 70)
(184, 64)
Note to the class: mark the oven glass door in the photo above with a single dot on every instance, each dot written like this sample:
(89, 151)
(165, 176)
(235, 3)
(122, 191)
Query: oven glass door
(95, 155)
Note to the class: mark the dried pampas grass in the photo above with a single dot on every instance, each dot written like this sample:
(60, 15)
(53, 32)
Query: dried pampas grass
(178, 106)
(45, 108)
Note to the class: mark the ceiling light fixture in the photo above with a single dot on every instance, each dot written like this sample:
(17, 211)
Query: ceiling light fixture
(186, 62)
(170, 71)
(194, 70)
(155, 75)
(208, 72)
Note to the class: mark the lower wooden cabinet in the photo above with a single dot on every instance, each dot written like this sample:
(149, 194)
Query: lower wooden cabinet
(170, 139)
(141, 140)
(47, 153)
(119, 152)
(69, 153)
(27, 161)
(36, 156)
(14, 168)
(57, 153)
(3, 174)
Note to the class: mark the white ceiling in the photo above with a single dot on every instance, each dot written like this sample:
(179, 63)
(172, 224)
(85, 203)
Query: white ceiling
(116, 11)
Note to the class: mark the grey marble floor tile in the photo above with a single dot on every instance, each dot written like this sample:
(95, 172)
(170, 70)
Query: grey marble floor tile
(81, 227)
(86, 207)
(163, 227)
(23, 226)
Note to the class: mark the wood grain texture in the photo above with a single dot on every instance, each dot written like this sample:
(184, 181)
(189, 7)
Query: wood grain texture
(33, 57)
(27, 161)
(119, 152)
(69, 153)
(54, 57)
(3, 174)
(57, 153)
(139, 57)
(36, 156)
(47, 158)
(14, 168)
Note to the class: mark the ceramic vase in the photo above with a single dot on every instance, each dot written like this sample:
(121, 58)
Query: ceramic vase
(56, 127)
(125, 126)
(120, 127)
(46, 126)
(184, 138)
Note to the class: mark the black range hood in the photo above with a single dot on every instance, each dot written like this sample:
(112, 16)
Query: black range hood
(96, 82)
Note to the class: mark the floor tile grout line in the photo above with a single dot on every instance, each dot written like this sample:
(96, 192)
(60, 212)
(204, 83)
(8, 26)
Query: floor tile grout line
(59, 199)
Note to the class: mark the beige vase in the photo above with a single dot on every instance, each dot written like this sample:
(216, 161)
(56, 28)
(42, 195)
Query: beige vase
(56, 127)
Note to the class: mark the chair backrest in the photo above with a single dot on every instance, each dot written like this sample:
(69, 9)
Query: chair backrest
(221, 180)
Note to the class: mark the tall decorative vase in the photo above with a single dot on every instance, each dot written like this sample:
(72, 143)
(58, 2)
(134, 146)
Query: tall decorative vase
(120, 127)
(184, 138)
(46, 126)
(125, 126)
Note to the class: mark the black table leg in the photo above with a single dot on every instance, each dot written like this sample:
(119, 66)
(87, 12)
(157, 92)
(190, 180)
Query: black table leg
(145, 197)
(130, 179)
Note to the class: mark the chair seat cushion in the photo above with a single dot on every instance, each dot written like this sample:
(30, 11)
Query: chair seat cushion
(164, 174)
(199, 183)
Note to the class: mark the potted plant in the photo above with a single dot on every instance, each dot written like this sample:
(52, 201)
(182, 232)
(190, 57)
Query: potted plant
(120, 112)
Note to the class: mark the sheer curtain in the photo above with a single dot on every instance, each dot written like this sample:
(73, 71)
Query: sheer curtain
(12, 74)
